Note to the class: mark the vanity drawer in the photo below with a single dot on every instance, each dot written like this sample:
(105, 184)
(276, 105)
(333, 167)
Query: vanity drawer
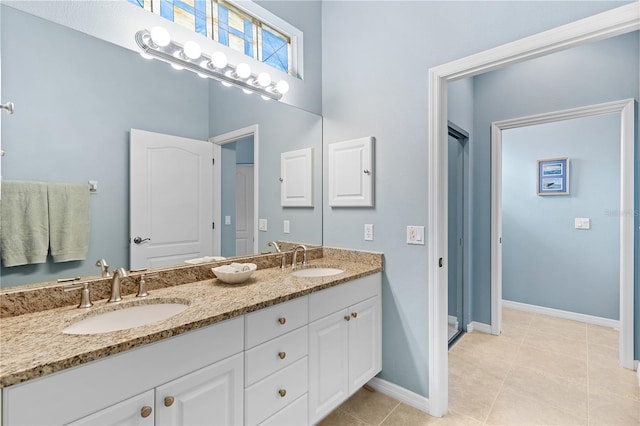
(272, 394)
(325, 302)
(275, 321)
(294, 414)
(274, 355)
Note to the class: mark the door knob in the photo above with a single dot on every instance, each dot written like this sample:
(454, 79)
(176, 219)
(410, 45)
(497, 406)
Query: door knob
(354, 314)
(282, 355)
(282, 392)
(347, 318)
(140, 240)
(282, 320)
(168, 401)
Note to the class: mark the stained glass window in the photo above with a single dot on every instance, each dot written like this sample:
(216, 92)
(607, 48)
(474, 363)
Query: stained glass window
(228, 25)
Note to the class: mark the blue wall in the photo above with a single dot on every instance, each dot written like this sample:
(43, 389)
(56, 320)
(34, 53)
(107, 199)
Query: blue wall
(380, 89)
(546, 261)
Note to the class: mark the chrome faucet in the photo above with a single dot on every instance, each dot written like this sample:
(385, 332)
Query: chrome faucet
(115, 284)
(283, 263)
(295, 253)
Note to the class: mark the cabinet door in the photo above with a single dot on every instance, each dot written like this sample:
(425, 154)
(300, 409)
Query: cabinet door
(209, 396)
(351, 173)
(135, 411)
(296, 177)
(328, 364)
(364, 342)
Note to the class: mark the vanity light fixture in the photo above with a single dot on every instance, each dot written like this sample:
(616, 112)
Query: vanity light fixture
(158, 44)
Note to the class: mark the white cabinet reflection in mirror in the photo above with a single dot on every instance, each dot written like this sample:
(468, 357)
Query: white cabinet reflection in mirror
(351, 173)
(296, 178)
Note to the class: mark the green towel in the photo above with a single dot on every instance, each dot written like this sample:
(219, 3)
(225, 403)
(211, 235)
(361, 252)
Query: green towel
(68, 221)
(24, 223)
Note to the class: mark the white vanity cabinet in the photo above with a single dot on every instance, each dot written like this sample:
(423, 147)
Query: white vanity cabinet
(196, 368)
(344, 342)
(276, 364)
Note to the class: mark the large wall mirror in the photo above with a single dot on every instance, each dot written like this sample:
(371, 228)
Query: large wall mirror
(78, 97)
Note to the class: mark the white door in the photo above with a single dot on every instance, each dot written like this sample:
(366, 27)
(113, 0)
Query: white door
(244, 210)
(364, 343)
(171, 199)
(328, 364)
(210, 396)
(135, 411)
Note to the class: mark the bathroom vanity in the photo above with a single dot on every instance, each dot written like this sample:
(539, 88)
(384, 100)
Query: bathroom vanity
(276, 350)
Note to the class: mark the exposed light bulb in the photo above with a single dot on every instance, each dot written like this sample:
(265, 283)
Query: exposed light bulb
(160, 36)
(219, 60)
(192, 49)
(264, 79)
(266, 98)
(144, 55)
(225, 84)
(177, 67)
(247, 91)
(282, 87)
(201, 75)
(243, 70)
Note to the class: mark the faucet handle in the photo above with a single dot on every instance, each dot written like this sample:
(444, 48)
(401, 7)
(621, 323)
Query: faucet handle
(85, 298)
(104, 268)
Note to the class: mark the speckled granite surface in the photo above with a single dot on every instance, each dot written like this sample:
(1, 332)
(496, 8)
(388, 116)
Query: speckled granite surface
(32, 345)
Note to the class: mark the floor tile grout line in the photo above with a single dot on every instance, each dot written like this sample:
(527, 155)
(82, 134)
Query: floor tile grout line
(390, 412)
(505, 378)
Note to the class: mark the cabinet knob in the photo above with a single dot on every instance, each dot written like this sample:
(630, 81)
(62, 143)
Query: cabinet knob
(168, 401)
(282, 355)
(347, 318)
(282, 320)
(354, 314)
(282, 392)
(146, 411)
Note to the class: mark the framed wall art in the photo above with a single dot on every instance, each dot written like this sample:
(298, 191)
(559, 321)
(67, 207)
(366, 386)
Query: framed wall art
(553, 176)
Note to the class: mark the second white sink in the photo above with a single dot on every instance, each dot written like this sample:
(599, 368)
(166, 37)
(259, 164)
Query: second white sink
(316, 272)
(122, 319)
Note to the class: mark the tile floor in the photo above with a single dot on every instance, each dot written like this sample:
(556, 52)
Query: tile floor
(540, 371)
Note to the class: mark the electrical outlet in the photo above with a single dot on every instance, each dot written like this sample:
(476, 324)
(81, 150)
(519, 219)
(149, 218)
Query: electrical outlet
(582, 223)
(262, 224)
(286, 227)
(368, 231)
(227, 220)
(415, 235)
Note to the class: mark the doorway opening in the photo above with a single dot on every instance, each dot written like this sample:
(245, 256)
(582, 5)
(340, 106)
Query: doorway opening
(235, 192)
(458, 211)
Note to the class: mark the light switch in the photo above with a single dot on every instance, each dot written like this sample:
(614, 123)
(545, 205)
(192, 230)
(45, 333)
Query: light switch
(582, 223)
(286, 227)
(262, 224)
(368, 231)
(415, 235)
(227, 220)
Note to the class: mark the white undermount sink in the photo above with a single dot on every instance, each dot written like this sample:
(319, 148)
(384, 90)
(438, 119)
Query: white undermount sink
(122, 319)
(316, 272)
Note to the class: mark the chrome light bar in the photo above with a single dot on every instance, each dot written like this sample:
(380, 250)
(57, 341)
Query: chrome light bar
(175, 54)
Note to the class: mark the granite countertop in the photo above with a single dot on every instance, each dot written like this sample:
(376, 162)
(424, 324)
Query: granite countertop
(33, 345)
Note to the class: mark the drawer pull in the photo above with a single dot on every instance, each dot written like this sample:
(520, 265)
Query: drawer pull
(146, 411)
(282, 392)
(282, 355)
(354, 314)
(347, 318)
(282, 320)
(168, 401)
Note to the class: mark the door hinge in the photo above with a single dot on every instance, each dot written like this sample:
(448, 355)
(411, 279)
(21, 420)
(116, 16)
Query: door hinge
(213, 225)
(213, 161)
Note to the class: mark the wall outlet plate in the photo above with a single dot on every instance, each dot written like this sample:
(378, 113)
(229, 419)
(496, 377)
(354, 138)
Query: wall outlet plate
(286, 226)
(415, 235)
(582, 223)
(368, 231)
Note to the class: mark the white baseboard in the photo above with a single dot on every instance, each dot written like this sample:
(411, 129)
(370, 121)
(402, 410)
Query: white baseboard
(636, 363)
(589, 319)
(453, 321)
(401, 394)
(479, 327)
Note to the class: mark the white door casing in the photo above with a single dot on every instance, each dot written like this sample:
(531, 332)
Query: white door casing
(171, 196)
(244, 210)
(608, 24)
(218, 141)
